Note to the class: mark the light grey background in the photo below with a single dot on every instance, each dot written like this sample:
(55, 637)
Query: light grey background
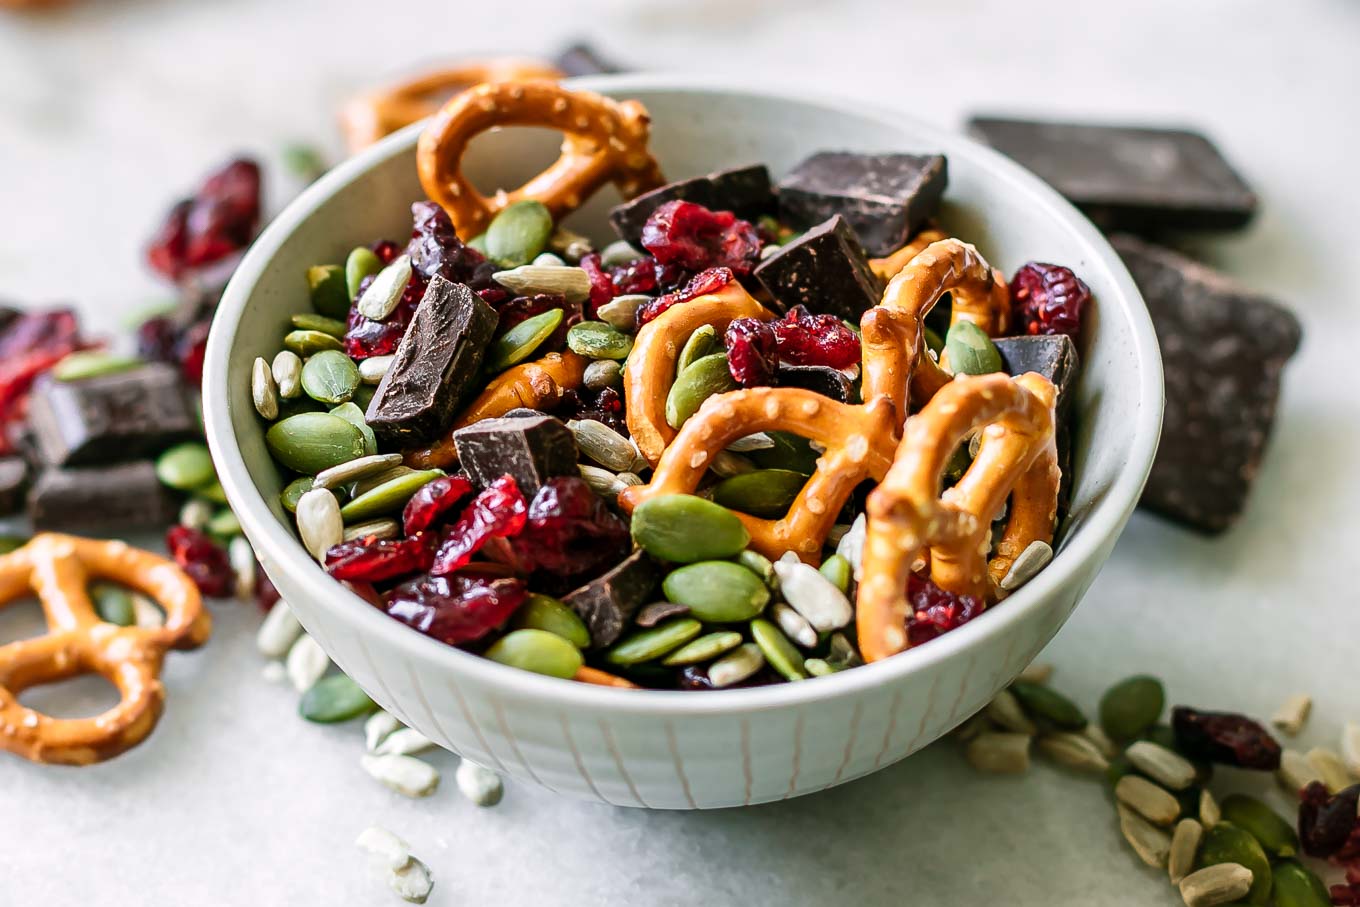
(109, 110)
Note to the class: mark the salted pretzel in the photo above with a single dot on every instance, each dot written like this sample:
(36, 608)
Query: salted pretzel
(886, 268)
(58, 568)
(379, 113)
(603, 141)
(909, 518)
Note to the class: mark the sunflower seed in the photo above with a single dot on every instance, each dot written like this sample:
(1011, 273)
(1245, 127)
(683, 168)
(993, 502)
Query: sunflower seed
(1152, 845)
(377, 727)
(383, 294)
(306, 663)
(405, 741)
(145, 613)
(355, 469)
(999, 753)
(1350, 747)
(287, 372)
(377, 529)
(374, 369)
(619, 252)
(1170, 770)
(726, 464)
(1221, 883)
(770, 250)
(1033, 559)
(1329, 767)
(1292, 714)
(851, 546)
(368, 483)
(794, 625)
(748, 443)
(842, 652)
(602, 373)
(1074, 750)
(1149, 800)
(387, 850)
(813, 596)
(1295, 772)
(1036, 672)
(242, 559)
(413, 882)
(319, 522)
(274, 672)
(601, 481)
(1184, 845)
(1209, 813)
(603, 445)
(263, 392)
(970, 729)
(530, 280)
(196, 513)
(736, 666)
(836, 533)
(621, 311)
(1005, 711)
(480, 785)
(818, 667)
(548, 260)
(404, 774)
(630, 478)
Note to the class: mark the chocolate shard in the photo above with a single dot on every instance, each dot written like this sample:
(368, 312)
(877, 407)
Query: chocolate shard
(1055, 357)
(607, 603)
(109, 418)
(1223, 349)
(13, 484)
(745, 191)
(532, 449)
(821, 379)
(580, 59)
(825, 269)
(884, 197)
(1128, 178)
(436, 365)
(100, 500)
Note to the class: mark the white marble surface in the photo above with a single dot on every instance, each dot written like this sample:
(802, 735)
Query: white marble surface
(108, 110)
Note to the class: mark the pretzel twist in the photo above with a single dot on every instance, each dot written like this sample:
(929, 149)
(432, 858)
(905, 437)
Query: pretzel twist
(886, 268)
(603, 141)
(58, 568)
(908, 517)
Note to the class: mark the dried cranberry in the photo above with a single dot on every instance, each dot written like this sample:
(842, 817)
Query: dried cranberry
(570, 530)
(372, 560)
(156, 339)
(604, 406)
(752, 352)
(1327, 822)
(816, 339)
(935, 611)
(201, 558)
(30, 344)
(692, 236)
(266, 595)
(190, 351)
(1224, 737)
(386, 251)
(647, 275)
(365, 337)
(701, 284)
(497, 512)
(601, 284)
(432, 501)
(1048, 299)
(457, 608)
(436, 249)
(522, 308)
(218, 221)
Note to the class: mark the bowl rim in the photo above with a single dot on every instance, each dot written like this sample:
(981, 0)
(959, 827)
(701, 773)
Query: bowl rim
(1102, 521)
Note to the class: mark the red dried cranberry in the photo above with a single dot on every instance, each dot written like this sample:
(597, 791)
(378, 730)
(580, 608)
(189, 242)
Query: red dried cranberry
(752, 352)
(386, 250)
(701, 284)
(30, 344)
(1224, 737)
(935, 611)
(365, 337)
(497, 512)
(457, 608)
(372, 560)
(1327, 822)
(570, 530)
(217, 222)
(436, 249)
(1048, 299)
(432, 501)
(601, 284)
(692, 236)
(266, 595)
(190, 351)
(201, 558)
(603, 406)
(821, 339)
(522, 308)
(156, 339)
(646, 275)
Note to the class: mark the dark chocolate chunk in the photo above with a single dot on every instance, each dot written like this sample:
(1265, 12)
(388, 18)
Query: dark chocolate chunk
(109, 418)
(13, 484)
(1055, 357)
(607, 604)
(100, 500)
(828, 382)
(884, 197)
(825, 269)
(8, 314)
(532, 449)
(581, 59)
(1128, 178)
(1223, 348)
(436, 365)
(744, 191)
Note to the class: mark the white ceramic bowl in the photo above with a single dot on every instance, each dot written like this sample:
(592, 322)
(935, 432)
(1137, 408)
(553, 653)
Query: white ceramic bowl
(694, 749)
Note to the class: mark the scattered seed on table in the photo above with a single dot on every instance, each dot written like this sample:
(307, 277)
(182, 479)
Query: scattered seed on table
(196, 513)
(334, 699)
(387, 850)
(319, 522)
(999, 753)
(1131, 706)
(813, 596)
(413, 882)
(1221, 883)
(405, 741)
(1209, 813)
(1171, 770)
(1074, 750)
(373, 369)
(241, 556)
(287, 372)
(1327, 763)
(306, 663)
(1292, 714)
(1184, 846)
(1094, 733)
(84, 364)
(1350, 748)
(377, 727)
(1023, 569)
(1047, 703)
(1036, 672)
(979, 723)
(1295, 772)
(358, 468)
(263, 393)
(1004, 710)
(480, 785)
(1276, 836)
(376, 529)
(1149, 800)
(404, 774)
(113, 604)
(1152, 844)
(736, 666)
(794, 625)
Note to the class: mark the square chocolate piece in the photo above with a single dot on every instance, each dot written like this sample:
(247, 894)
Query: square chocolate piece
(580, 59)
(1128, 178)
(1223, 349)
(436, 365)
(884, 197)
(13, 484)
(824, 269)
(531, 449)
(744, 191)
(101, 500)
(607, 603)
(1055, 357)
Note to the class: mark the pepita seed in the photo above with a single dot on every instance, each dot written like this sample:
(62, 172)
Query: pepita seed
(1023, 569)
(1226, 843)
(841, 652)
(837, 571)
(306, 321)
(653, 643)
(1169, 769)
(373, 369)
(213, 492)
(405, 741)
(330, 295)
(717, 591)
(406, 775)
(84, 364)
(703, 342)
(618, 253)
(352, 413)
(185, 467)
(818, 667)
(599, 340)
(519, 343)
(377, 727)
(703, 379)
(330, 377)
(361, 263)
(1295, 772)
(380, 299)
(548, 260)
(779, 652)
(538, 651)
(763, 493)
(969, 351)
(1150, 801)
(113, 604)
(726, 464)
(760, 565)
(373, 529)
(705, 648)
(478, 242)
(263, 393)
(368, 483)
(389, 497)
(287, 371)
(602, 373)
(289, 496)
(1004, 710)
(1049, 705)
(1184, 846)
(334, 699)
(278, 631)
(758, 441)
(224, 524)
(310, 442)
(480, 785)
(736, 666)
(621, 311)
(978, 723)
(603, 445)
(813, 596)
(355, 469)
(1152, 844)
(1221, 883)
(518, 233)
(851, 546)
(1036, 672)
(1276, 836)
(319, 522)
(1350, 748)
(1132, 706)
(571, 283)
(309, 343)
(1074, 751)
(683, 529)
(1329, 767)
(654, 613)
(999, 753)
(1209, 812)
(1296, 886)
(543, 612)
(794, 625)
(306, 663)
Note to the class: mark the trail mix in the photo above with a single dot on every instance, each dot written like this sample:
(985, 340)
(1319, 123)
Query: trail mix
(1239, 850)
(683, 460)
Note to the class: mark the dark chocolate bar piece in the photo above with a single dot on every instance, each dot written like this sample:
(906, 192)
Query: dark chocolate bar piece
(13, 484)
(100, 500)
(825, 269)
(580, 59)
(884, 197)
(531, 449)
(1128, 178)
(1223, 348)
(1055, 357)
(607, 604)
(436, 365)
(109, 418)
(744, 191)
(821, 379)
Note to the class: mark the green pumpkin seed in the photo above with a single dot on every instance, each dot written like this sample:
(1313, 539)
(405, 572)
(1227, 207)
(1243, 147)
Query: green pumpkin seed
(1296, 886)
(538, 651)
(1276, 836)
(518, 343)
(309, 343)
(969, 351)
(1119, 767)
(788, 451)
(957, 465)
(334, 699)
(307, 321)
(186, 466)
(765, 493)
(519, 233)
(602, 373)
(91, 364)
(364, 396)
(478, 242)
(781, 654)
(368, 483)
(310, 442)
(650, 644)
(717, 591)
(1045, 703)
(703, 379)
(820, 667)
(224, 524)
(354, 415)
(705, 648)
(389, 497)
(330, 293)
(384, 293)
(304, 162)
(837, 569)
(934, 342)
(293, 491)
(760, 565)
(598, 340)
(703, 342)
(213, 492)
(360, 264)
(683, 528)
(1132, 706)
(543, 612)
(114, 604)
(1227, 843)
(330, 377)
(10, 543)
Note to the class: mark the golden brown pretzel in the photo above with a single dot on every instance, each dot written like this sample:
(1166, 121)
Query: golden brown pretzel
(57, 568)
(887, 267)
(908, 517)
(381, 112)
(603, 141)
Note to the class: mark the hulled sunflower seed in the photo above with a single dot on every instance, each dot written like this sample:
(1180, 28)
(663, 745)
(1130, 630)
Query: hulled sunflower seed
(274, 672)
(548, 260)
(378, 529)
(813, 596)
(619, 252)
(836, 533)
(737, 665)
(480, 785)
(1074, 750)
(1209, 813)
(603, 445)
(1004, 710)
(1149, 800)
(726, 464)
(307, 663)
(359, 468)
(601, 481)
(287, 371)
(1329, 767)
(529, 280)
(413, 882)
(373, 369)
(1036, 672)
(770, 250)
(377, 727)
(999, 753)
(1152, 845)
(1221, 883)
(388, 852)
(851, 546)
(263, 392)
(383, 294)
(1033, 559)
(1096, 734)
(1292, 714)
(319, 522)
(242, 559)
(621, 311)
(1295, 772)
(404, 774)
(569, 244)
(757, 441)
(630, 478)
(405, 741)
(196, 513)
(1184, 845)
(602, 373)
(278, 631)
(1170, 770)
(377, 479)
(794, 625)
(1350, 748)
